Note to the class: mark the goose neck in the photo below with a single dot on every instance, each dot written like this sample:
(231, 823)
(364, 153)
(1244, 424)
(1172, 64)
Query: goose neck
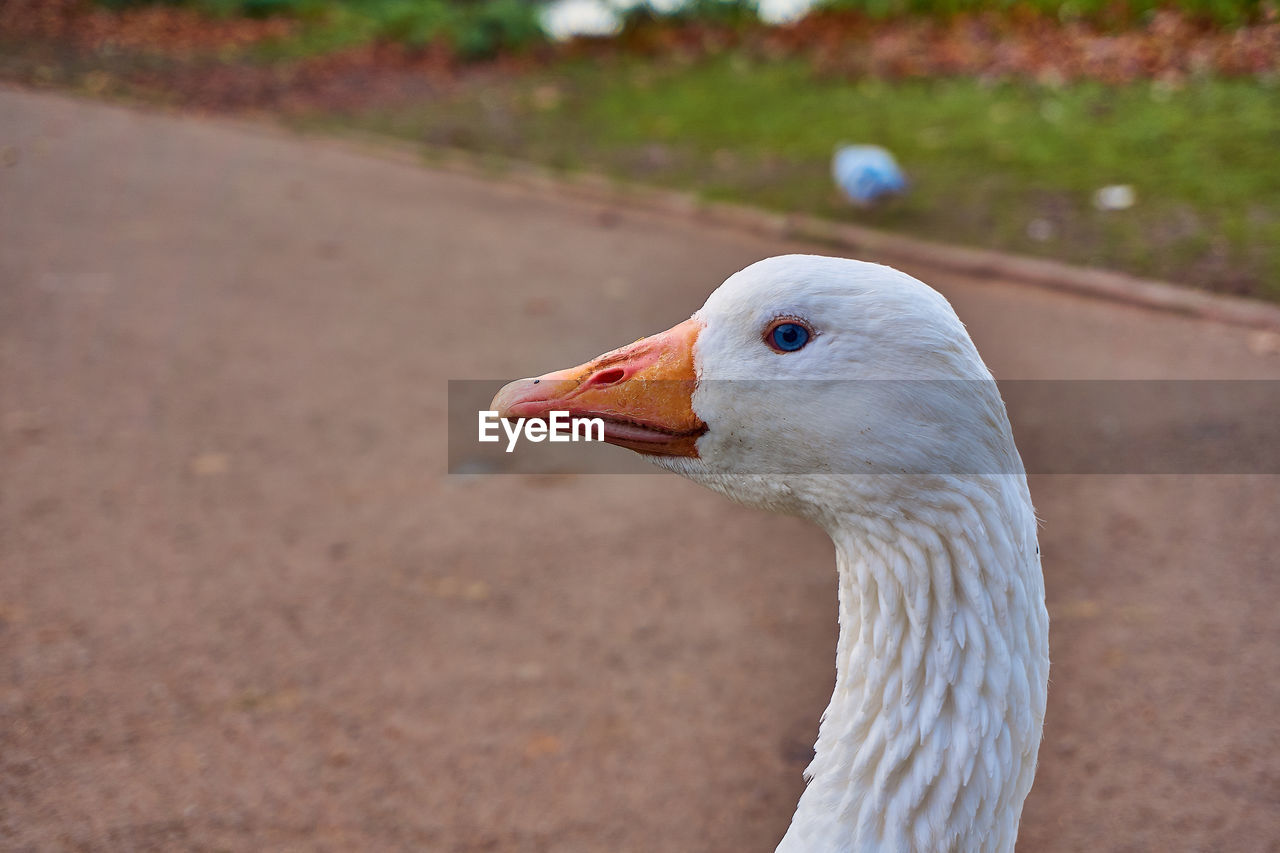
(930, 739)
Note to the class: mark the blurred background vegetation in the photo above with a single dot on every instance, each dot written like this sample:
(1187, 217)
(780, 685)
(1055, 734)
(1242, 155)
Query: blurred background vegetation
(419, 19)
(480, 28)
(1008, 117)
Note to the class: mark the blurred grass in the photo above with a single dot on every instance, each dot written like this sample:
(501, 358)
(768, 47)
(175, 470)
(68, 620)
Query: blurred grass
(474, 29)
(1011, 166)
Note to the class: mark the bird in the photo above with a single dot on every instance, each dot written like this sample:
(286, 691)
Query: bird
(850, 394)
(867, 174)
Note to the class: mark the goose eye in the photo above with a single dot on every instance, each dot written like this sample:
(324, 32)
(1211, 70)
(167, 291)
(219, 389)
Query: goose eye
(787, 335)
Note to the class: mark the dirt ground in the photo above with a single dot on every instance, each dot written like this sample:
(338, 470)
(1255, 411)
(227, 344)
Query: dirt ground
(243, 607)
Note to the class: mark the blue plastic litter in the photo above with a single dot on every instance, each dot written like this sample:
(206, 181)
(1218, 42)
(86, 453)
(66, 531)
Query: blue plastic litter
(867, 173)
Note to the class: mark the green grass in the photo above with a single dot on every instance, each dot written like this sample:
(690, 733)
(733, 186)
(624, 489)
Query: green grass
(985, 160)
(475, 29)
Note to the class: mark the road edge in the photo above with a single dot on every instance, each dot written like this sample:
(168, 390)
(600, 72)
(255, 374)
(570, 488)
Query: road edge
(595, 188)
(1103, 284)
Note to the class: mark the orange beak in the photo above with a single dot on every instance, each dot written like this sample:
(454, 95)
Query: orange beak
(642, 392)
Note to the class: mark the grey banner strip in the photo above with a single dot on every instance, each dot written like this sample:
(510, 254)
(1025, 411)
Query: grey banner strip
(1060, 426)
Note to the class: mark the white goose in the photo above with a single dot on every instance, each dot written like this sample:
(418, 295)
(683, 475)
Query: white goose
(930, 740)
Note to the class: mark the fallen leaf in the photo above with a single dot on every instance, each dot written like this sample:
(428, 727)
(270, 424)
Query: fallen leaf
(210, 464)
(1082, 608)
(1264, 343)
(541, 745)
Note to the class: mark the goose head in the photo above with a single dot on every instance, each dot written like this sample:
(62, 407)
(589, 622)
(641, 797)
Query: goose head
(798, 373)
(850, 394)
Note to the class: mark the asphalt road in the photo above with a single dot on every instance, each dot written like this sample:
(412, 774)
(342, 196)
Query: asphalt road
(242, 606)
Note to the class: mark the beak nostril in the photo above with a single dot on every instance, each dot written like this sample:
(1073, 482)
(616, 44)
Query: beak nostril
(608, 377)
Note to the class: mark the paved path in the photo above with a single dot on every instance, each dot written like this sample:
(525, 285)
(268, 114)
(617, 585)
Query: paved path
(242, 608)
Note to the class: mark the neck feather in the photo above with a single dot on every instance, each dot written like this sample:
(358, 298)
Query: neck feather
(930, 739)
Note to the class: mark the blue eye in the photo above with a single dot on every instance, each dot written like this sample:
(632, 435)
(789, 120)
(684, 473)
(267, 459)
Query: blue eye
(788, 337)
